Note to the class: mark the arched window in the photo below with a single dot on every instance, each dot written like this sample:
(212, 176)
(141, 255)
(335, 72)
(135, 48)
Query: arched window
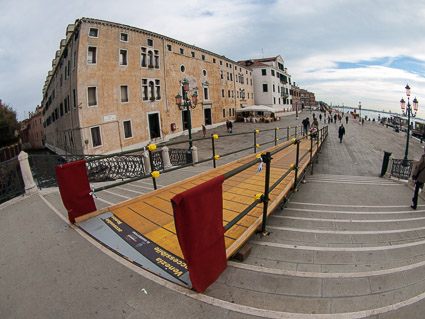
(150, 59)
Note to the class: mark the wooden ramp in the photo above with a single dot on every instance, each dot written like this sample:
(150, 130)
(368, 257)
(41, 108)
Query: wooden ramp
(151, 215)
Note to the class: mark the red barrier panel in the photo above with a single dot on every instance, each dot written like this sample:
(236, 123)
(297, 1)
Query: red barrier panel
(75, 189)
(198, 216)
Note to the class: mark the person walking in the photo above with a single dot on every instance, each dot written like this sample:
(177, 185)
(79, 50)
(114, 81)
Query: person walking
(320, 117)
(418, 176)
(230, 126)
(341, 132)
(346, 119)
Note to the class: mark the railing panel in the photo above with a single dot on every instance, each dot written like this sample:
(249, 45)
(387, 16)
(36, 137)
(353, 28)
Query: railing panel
(401, 168)
(179, 157)
(11, 183)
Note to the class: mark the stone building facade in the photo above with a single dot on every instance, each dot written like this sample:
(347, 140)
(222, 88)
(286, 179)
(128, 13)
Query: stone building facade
(272, 83)
(35, 129)
(112, 88)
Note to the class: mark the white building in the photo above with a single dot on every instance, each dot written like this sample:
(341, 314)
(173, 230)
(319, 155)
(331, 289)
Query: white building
(272, 83)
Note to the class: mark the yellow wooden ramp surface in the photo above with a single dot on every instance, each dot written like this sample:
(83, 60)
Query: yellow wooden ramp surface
(152, 214)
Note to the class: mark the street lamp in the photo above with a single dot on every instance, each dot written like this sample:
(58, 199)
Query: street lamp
(409, 112)
(187, 104)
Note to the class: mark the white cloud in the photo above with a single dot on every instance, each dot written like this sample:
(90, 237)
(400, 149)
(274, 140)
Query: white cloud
(313, 37)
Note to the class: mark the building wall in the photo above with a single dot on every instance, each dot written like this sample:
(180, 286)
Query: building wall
(108, 116)
(35, 131)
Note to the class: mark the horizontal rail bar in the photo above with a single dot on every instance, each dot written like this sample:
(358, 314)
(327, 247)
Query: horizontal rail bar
(241, 215)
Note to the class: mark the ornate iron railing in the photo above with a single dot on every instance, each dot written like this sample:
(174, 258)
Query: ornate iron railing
(401, 168)
(179, 157)
(11, 183)
(116, 167)
(157, 162)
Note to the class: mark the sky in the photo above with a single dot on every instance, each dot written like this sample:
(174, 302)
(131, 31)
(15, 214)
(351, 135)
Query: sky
(345, 51)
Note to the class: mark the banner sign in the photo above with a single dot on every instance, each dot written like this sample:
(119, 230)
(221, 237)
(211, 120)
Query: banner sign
(170, 263)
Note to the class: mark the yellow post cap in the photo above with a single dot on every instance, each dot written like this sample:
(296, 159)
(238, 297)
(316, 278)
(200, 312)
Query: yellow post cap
(155, 174)
(215, 136)
(293, 140)
(258, 196)
(257, 131)
(291, 166)
(257, 145)
(152, 147)
(277, 140)
(258, 155)
(217, 157)
(277, 129)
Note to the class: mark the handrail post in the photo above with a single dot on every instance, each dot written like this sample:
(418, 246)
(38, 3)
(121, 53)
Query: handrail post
(296, 165)
(267, 160)
(255, 141)
(296, 128)
(311, 153)
(213, 150)
(287, 133)
(275, 136)
(152, 168)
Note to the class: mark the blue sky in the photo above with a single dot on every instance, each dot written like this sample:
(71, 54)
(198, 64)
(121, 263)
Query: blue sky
(345, 51)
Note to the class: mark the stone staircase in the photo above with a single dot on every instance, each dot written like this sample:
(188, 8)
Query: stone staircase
(358, 254)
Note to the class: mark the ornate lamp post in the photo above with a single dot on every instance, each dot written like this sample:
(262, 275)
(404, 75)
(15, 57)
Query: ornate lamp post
(410, 112)
(187, 104)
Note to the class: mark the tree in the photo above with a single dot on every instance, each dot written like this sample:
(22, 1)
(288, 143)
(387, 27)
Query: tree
(8, 125)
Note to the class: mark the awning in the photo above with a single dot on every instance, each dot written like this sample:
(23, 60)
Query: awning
(258, 108)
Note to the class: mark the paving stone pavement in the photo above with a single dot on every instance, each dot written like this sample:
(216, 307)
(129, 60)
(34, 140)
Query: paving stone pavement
(346, 245)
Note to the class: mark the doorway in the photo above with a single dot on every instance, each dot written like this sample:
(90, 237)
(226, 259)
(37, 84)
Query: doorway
(154, 126)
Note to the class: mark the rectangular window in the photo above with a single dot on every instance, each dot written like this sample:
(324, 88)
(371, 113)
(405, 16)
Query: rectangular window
(231, 77)
(124, 37)
(150, 42)
(61, 109)
(181, 51)
(143, 57)
(156, 58)
(169, 47)
(214, 61)
(263, 72)
(127, 129)
(224, 113)
(91, 55)
(158, 89)
(123, 57)
(206, 97)
(124, 93)
(274, 89)
(95, 136)
(203, 57)
(272, 72)
(265, 88)
(94, 33)
(228, 93)
(74, 97)
(145, 95)
(192, 54)
(222, 93)
(91, 96)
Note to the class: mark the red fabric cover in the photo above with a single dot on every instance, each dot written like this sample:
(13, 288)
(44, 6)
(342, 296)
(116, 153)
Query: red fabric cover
(75, 189)
(198, 216)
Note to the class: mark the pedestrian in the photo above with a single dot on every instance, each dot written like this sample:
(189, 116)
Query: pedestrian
(335, 118)
(346, 119)
(230, 126)
(341, 132)
(418, 176)
(204, 130)
(362, 122)
(227, 125)
(305, 124)
(320, 117)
